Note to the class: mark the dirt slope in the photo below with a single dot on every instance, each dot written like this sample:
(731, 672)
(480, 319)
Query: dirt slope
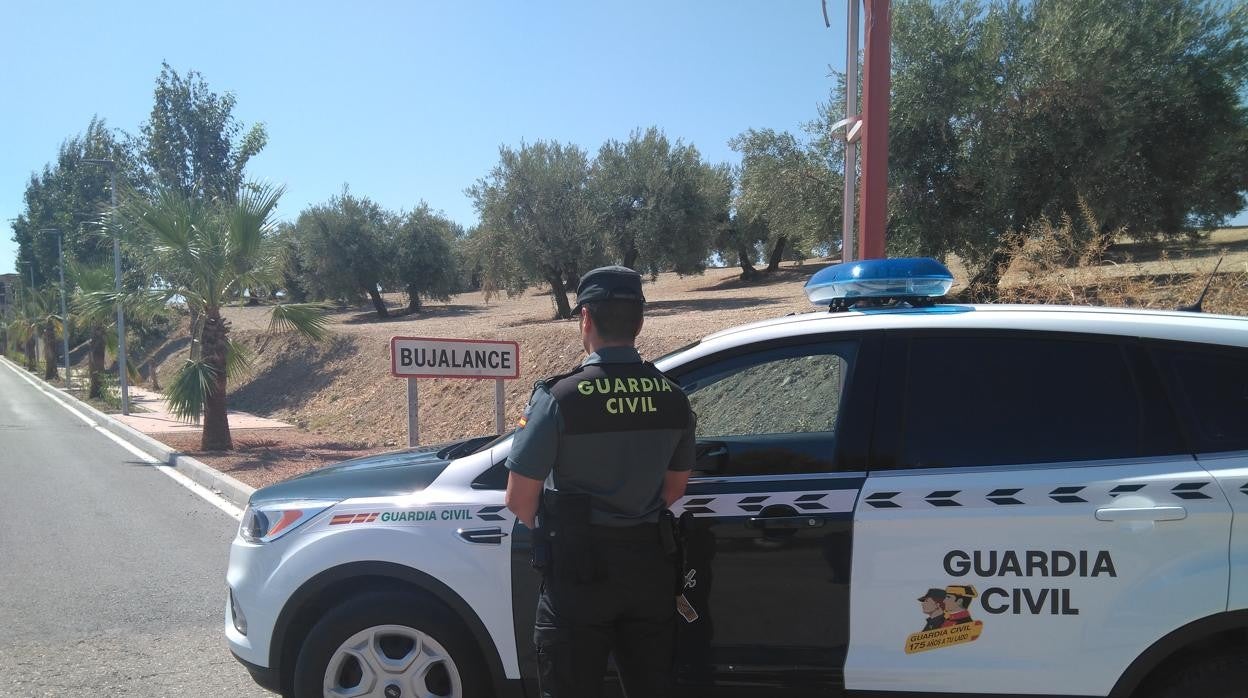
(342, 388)
(341, 394)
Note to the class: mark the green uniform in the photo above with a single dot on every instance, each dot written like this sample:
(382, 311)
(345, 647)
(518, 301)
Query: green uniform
(611, 429)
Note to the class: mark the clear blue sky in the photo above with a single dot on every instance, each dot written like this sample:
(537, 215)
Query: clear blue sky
(409, 100)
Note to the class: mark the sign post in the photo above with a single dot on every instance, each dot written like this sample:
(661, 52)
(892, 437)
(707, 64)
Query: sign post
(426, 357)
(500, 402)
(413, 409)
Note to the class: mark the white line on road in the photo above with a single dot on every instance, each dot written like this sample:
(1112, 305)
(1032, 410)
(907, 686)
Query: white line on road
(206, 494)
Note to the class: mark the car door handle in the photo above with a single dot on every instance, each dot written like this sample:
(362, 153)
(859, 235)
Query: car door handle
(713, 450)
(711, 457)
(784, 522)
(482, 536)
(1166, 513)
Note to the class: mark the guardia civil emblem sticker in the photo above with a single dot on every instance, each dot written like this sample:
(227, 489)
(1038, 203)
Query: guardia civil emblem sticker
(949, 620)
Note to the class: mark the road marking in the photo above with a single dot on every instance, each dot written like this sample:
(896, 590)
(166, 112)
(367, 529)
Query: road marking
(206, 494)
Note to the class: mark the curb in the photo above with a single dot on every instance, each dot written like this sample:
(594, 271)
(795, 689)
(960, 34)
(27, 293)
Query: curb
(236, 492)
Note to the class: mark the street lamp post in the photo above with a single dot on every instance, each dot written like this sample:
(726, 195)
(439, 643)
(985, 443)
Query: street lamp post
(30, 267)
(60, 254)
(121, 316)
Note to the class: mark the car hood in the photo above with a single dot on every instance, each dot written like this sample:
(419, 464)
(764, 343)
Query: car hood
(380, 475)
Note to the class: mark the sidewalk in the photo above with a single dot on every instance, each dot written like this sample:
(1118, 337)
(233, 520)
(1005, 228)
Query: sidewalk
(150, 414)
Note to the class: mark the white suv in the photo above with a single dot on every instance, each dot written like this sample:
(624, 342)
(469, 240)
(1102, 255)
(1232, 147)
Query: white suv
(894, 498)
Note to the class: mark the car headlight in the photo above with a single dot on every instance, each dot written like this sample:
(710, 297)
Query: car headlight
(268, 522)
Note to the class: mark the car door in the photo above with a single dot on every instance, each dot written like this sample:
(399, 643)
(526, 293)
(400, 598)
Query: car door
(1209, 387)
(768, 513)
(1032, 520)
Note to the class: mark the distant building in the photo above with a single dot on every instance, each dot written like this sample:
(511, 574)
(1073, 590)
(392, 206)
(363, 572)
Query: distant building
(8, 292)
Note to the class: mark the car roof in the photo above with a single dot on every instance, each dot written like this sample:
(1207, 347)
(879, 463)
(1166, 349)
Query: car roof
(1174, 325)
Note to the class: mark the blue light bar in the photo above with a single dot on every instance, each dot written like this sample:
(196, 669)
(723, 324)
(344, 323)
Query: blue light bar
(899, 278)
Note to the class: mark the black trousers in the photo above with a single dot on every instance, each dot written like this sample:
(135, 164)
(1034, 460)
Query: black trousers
(628, 608)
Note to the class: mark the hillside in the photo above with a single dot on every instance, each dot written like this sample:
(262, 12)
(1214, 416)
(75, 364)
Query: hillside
(342, 397)
(344, 388)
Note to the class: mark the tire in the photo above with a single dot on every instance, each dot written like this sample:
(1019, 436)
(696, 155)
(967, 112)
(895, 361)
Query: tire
(1221, 674)
(378, 641)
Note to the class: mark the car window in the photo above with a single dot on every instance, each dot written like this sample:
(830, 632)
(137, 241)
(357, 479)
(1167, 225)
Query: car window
(982, 400)
(1211, 392)
(796, 390)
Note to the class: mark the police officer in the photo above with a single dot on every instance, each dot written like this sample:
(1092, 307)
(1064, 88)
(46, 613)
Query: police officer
(933, 605)
(604, 450)
(957, 604)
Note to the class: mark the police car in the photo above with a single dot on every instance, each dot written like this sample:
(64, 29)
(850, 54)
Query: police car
(893, 497)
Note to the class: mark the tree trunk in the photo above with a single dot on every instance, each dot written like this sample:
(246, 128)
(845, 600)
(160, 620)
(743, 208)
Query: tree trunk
(49, 354)
(96, 354)
(563, 309)
(29, 350)
(572, 279)
(216, 433)
(196, 349)
(745, 259)
(155, 375)
(777, 253)
(630, 257)
(378, 303)
(413, 299)
(982, 288)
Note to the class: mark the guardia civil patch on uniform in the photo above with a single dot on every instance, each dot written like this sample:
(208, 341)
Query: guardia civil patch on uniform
(524, 418)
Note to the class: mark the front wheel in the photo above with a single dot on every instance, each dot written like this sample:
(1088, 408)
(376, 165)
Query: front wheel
(389, 645)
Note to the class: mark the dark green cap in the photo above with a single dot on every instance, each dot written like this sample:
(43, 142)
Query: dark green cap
(609, 283)
(934, 595)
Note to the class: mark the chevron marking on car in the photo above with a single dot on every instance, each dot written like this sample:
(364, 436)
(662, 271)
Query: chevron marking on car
(1244, 489)
(1067, 495)
(698, 505)
(753, 503)
(810, 502)
(364, 517)
(490, 513)
(1073, 494)
(883, 500)
(943, 498)
(823, 502)
(1005, 496)
(1190, 490)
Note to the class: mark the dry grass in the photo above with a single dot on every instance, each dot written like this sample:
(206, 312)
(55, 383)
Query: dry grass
(340, 392)
(1055, 265)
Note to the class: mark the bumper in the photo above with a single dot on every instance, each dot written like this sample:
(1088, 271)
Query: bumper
(249, 581)
(265, 677)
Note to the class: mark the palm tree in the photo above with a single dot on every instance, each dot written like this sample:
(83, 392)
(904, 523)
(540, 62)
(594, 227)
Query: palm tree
(90, 310)
(46, 315)
(206, 255)
(24, 331)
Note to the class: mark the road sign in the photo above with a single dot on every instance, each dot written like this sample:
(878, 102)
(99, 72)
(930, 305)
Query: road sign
(424, 357)
(428, 357)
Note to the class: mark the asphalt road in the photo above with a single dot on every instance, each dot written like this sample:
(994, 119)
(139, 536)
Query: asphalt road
(112, 575)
